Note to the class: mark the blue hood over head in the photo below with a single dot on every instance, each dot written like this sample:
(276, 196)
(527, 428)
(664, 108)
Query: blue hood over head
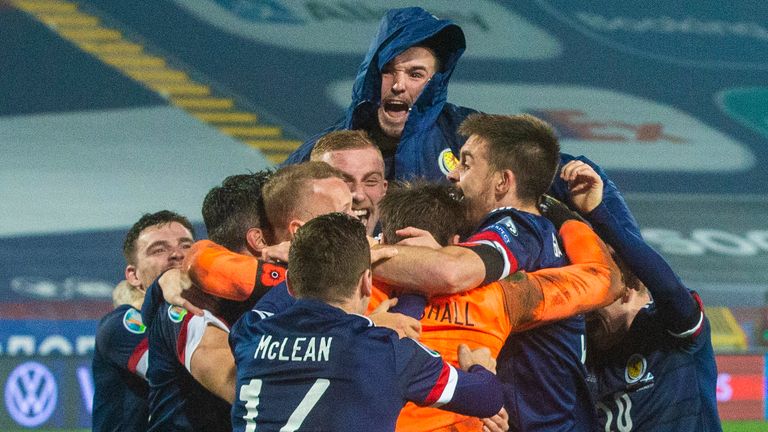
(399, 30)
(430, 130)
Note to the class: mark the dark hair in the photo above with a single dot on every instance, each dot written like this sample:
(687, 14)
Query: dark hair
(234, 207)
(288, 186)
(162, 217)
(628, 277)
(445, 44)
(327, 257)
(342, 140)
(523, 144)
(433, 207)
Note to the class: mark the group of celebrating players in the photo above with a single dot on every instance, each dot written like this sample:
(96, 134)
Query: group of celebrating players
(496, 284)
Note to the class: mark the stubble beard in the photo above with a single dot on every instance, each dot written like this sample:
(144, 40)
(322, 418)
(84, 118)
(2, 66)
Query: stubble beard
(390, 130)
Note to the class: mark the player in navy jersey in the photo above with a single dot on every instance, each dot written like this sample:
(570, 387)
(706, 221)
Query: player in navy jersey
(120, 367)
(235, 218)
(155, 243)
(177, 400)
(191, 367)
(506, 165)
(321, 365)
(650, 352)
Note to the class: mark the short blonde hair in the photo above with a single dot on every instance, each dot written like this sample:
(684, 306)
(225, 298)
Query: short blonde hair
(341, 140)
(125, 293)
(289, 186)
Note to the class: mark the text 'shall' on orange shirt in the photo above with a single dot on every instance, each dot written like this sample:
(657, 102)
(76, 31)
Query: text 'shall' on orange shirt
(476, 318)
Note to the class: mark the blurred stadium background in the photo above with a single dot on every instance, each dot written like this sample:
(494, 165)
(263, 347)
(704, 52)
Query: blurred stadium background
(109, 109)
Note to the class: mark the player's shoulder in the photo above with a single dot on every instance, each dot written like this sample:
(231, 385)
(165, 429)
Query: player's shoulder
(121, 324)
(407, 353)
(124, 317)
(509, 223)
(113, 315)
(167, 325)
(363, 332)
(246, 325)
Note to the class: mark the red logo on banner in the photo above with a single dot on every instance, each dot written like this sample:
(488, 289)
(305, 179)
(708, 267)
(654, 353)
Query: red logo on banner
(740, 387)
(574, 124)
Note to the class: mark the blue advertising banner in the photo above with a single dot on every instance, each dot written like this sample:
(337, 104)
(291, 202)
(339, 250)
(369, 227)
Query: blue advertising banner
(47, 392)
(47, 337)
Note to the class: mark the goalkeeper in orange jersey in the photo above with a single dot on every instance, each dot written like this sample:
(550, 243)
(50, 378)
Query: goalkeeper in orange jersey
(485, 316)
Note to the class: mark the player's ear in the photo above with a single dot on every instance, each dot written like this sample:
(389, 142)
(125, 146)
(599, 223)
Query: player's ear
(456, 239)
(505, 181)
(255, 239)
(294, 226)
(627, 296)
(131, 275)
(288, 285)
(366, 283)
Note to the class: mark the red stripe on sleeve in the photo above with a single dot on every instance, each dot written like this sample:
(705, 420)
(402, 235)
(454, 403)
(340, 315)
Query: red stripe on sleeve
(493, 237)
(181, 342)
(139, 351)
(701, 308)
(485, 235)
(439, 387)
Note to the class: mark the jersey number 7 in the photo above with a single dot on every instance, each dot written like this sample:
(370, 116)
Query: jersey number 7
(249, 393)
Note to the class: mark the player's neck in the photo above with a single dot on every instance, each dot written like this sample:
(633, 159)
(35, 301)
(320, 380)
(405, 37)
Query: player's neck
(517, 205)
(387, 144)
(350, 306)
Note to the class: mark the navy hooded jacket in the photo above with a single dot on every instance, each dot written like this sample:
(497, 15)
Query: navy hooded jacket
(429, 143)
(429, 138)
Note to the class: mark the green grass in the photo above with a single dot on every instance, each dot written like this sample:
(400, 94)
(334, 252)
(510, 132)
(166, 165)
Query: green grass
(745, 426)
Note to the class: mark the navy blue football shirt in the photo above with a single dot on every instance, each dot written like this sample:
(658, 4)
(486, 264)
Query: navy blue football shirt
(543, 368)
(662, 375)
(119, 370)
(316, 367)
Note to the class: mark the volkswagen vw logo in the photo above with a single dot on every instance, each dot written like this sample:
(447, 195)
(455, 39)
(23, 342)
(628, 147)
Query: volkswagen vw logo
(31, 394)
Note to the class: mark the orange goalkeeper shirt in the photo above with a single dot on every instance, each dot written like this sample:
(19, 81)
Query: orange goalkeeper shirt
(485, 316)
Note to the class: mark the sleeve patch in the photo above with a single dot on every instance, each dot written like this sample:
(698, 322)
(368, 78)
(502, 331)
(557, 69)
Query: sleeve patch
(506, 223)
(271, 274)
(133, 323)
(176, 313)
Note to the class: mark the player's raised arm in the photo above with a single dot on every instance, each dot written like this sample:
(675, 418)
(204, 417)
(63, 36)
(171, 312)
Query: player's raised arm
(591, 281)
(221, 272)
(212, 363)
(609, 193)
(680, 311)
